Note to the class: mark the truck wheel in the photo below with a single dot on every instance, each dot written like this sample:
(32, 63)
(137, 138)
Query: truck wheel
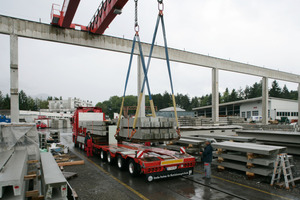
(133, 168)
(102, 155)
(149, 178)
(121, 162)
(110, 160)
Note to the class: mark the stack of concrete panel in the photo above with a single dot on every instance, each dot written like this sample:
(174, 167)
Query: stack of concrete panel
(55, 134)
(53, 181)
(95, 127)
(57, 123)
(221, 138)
(13, 169)
(149, 128)
(42, 140)
(291, 140)
(248, 157)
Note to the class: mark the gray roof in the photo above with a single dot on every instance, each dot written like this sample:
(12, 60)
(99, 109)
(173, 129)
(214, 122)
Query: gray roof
(171, 109)
(244, 101)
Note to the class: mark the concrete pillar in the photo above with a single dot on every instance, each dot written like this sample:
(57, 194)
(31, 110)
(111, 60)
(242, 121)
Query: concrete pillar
(265, 100)
(140, 79)
(298, 103)
(226, 111)
(14, 79)
(215, 95)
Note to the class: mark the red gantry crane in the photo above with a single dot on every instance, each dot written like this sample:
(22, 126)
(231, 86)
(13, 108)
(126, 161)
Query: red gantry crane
(100, 21)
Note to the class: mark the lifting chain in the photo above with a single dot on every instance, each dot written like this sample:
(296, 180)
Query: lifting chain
(136, 25)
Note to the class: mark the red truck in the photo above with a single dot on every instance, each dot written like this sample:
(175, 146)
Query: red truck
(154, 163)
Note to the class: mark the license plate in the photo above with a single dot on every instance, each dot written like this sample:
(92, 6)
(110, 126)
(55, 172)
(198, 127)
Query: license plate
(171, 168)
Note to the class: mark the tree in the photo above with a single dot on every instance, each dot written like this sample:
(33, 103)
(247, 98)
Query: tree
(285, 92)
(275, 90)
(233, 95)
(255, 90)
(225, 97)
(23, 101)
(6, 102)
(1, 100)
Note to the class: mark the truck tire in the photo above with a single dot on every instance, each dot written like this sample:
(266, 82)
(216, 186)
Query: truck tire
(133, 168)
(121, 162)
(110, 159)
(102, 155)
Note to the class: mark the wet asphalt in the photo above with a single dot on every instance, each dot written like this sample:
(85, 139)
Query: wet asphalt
(99, 180)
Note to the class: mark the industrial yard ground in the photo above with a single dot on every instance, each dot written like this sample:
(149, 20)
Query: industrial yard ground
(96, 180)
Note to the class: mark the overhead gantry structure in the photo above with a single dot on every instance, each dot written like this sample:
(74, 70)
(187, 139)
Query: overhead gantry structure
(104, 15)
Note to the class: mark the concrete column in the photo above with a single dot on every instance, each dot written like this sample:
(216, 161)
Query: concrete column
(265, 100)
(14, 79)
(140, 79)
(215, 95)
(298, 103)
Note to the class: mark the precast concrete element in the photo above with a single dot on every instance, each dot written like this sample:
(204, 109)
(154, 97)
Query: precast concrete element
(265, 102)
(215, 95)
(140, 79)
(263, 171)
(5, 156)
(221, 138)
(35, 30)
(13, 173)
(14, 78)
(53, 181)
(291, 140)
(274, 136)
(238, 156)
(250, 148)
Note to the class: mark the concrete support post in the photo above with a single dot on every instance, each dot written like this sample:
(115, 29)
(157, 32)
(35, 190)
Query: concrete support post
(215, 95)
(14, 79)
(140, 79)
(265, 100)
(298, 103)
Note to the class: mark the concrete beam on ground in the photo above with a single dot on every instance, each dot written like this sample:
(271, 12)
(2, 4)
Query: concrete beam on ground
(14, 79)
(13, 175)
(215, 95)
(5, 156)
(243, 158)
(263, 171)
(221, 138)
(249, 148)
(35, 30)
(52, 177)
(265, 101)
(274, 136)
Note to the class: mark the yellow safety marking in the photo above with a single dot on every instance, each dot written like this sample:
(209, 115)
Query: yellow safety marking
(122, 183)
(246, 186)
(169, 162)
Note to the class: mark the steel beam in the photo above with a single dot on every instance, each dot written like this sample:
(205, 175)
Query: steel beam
(35, 30)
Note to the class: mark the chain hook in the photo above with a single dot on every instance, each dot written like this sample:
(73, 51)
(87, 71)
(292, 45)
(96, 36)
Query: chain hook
(136, 24)
(160, 6)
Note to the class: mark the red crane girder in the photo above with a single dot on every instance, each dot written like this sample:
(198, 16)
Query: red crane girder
(105, 14)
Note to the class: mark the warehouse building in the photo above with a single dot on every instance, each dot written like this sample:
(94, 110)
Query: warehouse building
(250, 108)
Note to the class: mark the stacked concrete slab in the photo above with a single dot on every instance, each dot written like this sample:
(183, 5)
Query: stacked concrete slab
(291, 140)
(42, 140)
(55, 134)
(149, 128)
(95, 127)
(248, 157)
(221, 138)
(53, 181)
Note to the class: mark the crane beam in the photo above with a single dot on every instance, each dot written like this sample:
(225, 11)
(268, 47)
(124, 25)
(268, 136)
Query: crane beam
(105, 14)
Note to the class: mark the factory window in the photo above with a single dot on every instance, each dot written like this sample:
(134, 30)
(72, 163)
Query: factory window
(277, 114)
(255, 113)
(248, 114)
(268, 113)
(292, 113)
(243, 114)
(296, 113)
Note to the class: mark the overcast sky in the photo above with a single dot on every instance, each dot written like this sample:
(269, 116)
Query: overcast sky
(259, 32)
